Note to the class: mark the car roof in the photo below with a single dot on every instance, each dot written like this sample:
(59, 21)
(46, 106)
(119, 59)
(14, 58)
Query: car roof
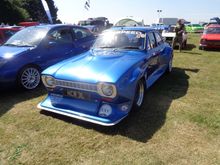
(9, 28)
(213, 26)
(136, 28)
(50, 26)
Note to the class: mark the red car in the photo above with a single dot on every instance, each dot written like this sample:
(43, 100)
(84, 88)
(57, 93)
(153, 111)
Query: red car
(210, 37)
(7, 32)
(27, 24)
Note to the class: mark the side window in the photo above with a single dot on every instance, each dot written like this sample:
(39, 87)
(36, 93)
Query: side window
(158, 38)
(152, 40)
(148, 44)
(79, 33)
(60, 36)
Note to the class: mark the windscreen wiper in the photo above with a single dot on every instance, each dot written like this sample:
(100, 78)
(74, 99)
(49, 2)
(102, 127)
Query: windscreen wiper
(10, 45)
(130, 47)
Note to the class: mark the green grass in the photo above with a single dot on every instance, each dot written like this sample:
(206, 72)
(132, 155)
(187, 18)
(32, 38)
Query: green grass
(178, 124)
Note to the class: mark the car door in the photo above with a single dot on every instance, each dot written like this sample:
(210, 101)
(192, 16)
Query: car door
(152, 54)
(57, 46)
(83, 39)
(163, 59)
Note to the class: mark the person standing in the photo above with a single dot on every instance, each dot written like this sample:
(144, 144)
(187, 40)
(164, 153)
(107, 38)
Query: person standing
(179, 30)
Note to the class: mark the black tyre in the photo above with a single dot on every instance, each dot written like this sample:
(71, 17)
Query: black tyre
(202, 48)
(139, 95)
(29, 77)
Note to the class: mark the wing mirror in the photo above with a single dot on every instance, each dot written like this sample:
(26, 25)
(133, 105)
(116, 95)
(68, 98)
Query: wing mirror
(50, 44)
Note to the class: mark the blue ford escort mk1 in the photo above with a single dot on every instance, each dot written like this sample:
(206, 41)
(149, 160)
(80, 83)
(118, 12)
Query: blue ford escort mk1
(33, 49)
(103, 85)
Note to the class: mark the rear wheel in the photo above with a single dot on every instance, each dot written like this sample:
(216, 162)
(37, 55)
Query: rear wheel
(29, 77)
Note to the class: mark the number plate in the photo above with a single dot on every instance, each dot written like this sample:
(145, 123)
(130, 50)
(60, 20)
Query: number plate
(78, 94)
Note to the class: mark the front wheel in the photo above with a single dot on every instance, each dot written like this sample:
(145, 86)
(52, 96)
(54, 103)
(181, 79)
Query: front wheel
(139, 95)
(170, 66)
(29, 78)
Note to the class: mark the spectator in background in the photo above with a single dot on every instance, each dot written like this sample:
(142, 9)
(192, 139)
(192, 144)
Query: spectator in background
(179, 30)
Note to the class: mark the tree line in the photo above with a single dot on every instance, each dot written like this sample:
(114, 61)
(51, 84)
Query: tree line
(15, 11)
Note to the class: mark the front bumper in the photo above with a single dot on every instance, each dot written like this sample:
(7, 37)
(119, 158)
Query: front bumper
(48, 106)
(209, 46)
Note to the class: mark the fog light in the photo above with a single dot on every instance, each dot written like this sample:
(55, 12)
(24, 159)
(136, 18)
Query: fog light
(124, 108)
(105, 110)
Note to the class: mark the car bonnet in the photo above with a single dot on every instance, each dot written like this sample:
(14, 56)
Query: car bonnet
(97, 66)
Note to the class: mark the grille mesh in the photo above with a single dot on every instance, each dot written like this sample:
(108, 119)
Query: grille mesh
(77, 85)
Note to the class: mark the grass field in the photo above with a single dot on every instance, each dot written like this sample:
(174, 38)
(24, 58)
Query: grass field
(179, 123)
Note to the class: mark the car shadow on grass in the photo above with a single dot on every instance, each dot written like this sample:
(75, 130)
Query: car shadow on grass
(10, 97)
(190, 47)
(143, 124)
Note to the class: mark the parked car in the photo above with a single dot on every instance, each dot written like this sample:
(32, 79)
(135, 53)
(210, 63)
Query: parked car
(170, 34)
(194, 28)
(6, 33)
(96, 25)
(33, 49)
(214, 20)
(104, 84)
(210, 37)
(159, 27)
(27, 24)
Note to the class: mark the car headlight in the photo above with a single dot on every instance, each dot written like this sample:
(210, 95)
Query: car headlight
(107, 90)
(49, 81)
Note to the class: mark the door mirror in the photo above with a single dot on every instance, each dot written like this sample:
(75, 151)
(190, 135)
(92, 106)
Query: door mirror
(50, 44)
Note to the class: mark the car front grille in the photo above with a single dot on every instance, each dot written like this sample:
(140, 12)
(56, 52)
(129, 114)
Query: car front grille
(214, 42)
(77, 85)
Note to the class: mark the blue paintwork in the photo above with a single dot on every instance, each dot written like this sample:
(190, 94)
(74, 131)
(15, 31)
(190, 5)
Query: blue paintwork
(14, 58)
(123, 68)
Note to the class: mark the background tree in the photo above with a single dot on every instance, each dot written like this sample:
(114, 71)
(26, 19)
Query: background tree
(12, 11)
(53, 11)
(36, 10)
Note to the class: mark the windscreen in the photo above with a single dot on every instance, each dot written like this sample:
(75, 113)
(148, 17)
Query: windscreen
(30, 36)
(213, 30)
(121, 39)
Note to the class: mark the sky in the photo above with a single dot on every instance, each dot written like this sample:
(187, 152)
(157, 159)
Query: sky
(71, 11)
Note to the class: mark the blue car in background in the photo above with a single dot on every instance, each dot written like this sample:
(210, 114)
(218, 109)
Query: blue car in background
(104, 84)
(33, 49)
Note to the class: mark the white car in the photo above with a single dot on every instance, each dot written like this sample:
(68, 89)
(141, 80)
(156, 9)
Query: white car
(170, 34)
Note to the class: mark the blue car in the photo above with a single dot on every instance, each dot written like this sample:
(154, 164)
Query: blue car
(33, 49)
(104, 84)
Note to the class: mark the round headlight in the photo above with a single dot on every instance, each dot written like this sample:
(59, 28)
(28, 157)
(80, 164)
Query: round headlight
(49, 81)
(107, 90)
(105, 110)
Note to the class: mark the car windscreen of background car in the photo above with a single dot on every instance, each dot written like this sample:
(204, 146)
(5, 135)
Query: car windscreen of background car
(121, 39)
(27, 37)
(212, 31)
